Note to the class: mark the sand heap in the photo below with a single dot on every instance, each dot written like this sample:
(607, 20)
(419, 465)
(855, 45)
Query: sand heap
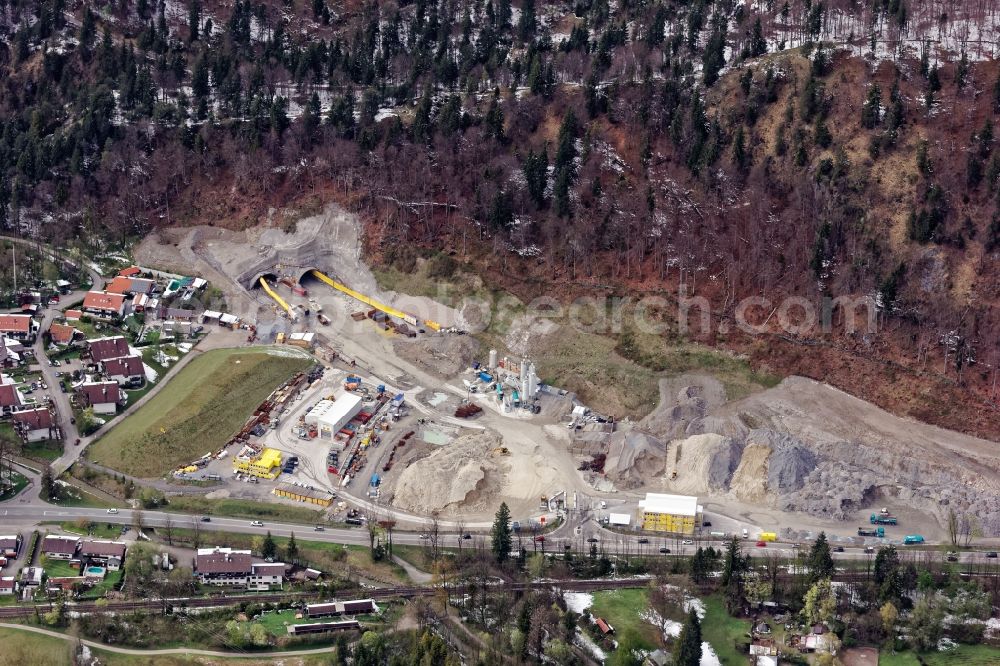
(459, 476)
(634, 456)
(701, 464)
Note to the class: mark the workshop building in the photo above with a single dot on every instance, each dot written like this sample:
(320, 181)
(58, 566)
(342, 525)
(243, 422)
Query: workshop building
(265, 465)
(678, 514)
(307, 495)
(329, 416)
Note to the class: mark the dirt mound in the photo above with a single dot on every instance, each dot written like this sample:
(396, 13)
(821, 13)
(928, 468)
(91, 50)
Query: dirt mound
(461, 475)
(440, 355)
(684, 401)
(633, 457)
(702, 463)
(750, 482)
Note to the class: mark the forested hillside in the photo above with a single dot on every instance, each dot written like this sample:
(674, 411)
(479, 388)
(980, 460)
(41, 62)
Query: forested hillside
(725, 148)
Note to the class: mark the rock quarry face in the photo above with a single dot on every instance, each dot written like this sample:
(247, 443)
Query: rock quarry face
(806, 447)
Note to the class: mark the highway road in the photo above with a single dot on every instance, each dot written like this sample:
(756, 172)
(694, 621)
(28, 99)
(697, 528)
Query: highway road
(615, 544)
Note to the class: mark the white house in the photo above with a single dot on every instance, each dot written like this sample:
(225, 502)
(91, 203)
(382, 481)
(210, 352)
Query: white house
(34, 425)
(103, 397)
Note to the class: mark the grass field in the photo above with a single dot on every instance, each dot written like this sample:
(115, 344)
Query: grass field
(963, 655)
(59, 568)
(48, 449)
(198, 411)
(17, 482)
(237, 508)
(721, 631)
(622, 609)
(22, 647)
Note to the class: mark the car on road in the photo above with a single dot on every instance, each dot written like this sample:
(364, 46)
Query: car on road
(707, 523)
(838, 549)
(319, 528)
(643, 540)
(112, 511)
(762, 544)
(953, 558)
(206, 519)
(687, 542)
(992, 554)
(592, 540)
(466, 536)
(76, 442)
(425, 536)
(540, 539)
(665, 551)
(256, 523)
(72, 420)
(869, 549)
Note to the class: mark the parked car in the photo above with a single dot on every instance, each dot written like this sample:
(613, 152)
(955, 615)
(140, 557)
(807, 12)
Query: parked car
(256, 523)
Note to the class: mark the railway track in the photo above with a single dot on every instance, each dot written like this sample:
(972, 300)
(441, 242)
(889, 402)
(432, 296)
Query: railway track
(27, 611)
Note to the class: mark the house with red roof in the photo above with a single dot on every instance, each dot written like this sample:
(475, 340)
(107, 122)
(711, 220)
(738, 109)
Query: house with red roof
(102, 397)
(127, 370)
(19, 327)
(35, 424)
(105, 349)
(105, 304)
(10, 398)
(131, 286)
(64, 334)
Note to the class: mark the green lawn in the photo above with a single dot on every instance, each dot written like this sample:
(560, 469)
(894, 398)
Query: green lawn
(76, 497)
(109, 583)
(238, 508)
(22, 647)
(198, 411)
(722, 631)
(622, 610)
(59, 568)
(963, 655)
(92, 529)
(18, 483)
(48, 449)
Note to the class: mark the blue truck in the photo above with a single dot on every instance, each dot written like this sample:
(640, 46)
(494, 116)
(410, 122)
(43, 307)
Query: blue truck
(882, 519)
(913, 539)
(872, 532)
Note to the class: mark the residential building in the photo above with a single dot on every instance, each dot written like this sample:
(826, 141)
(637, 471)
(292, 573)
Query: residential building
(300, 494)
(322, 627)
(10, 398)
(11, 352)
(73, 315)
(678, 514)
(63, 334)
(104, 304)
(131, 286)
(103, 397)
(236, 568)
(329, 416)
(108, 554)
(34, 425)
(19, 327)
(7, 585)
(266, 464)
(131, 271)
(59, 547)
(105, 349)
(32, 575)
(127, 370)
(10, 546)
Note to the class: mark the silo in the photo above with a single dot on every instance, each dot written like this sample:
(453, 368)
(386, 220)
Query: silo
(493, 360)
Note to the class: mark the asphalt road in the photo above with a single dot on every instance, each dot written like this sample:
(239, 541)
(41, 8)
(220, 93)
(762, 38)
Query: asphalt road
(610, 542)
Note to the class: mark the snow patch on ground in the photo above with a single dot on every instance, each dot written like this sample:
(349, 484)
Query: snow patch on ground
(151, 374)
(578, 601)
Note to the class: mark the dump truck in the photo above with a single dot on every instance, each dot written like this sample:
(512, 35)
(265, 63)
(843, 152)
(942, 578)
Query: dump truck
(913, 539)
(882, 519)
(768, 536)
(871, 532)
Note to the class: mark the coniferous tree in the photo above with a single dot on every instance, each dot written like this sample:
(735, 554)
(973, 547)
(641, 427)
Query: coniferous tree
(500, 534)
(687, 649)
(820, 561)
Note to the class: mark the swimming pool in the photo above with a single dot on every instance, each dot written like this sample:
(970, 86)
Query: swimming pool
(95, 571)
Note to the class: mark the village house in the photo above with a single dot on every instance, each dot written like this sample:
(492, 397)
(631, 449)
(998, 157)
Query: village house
(130, 286)
(105, 304)
(109, 554)
(63, 334)
(34, 425)
(7, 585)
(10, 398)
(126, 371)
(10, 545)
(103, 397)
(105, 349)
(236, 568)
(59, 547)
(21, 327)
(11, 352)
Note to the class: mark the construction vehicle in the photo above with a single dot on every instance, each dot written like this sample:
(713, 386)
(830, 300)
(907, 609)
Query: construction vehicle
(399, 314)
(911, 539)
(323, 319)
(882, 519)
(543, 502)
(872, 532)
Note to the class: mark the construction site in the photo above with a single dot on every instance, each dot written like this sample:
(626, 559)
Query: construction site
(414, 417)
